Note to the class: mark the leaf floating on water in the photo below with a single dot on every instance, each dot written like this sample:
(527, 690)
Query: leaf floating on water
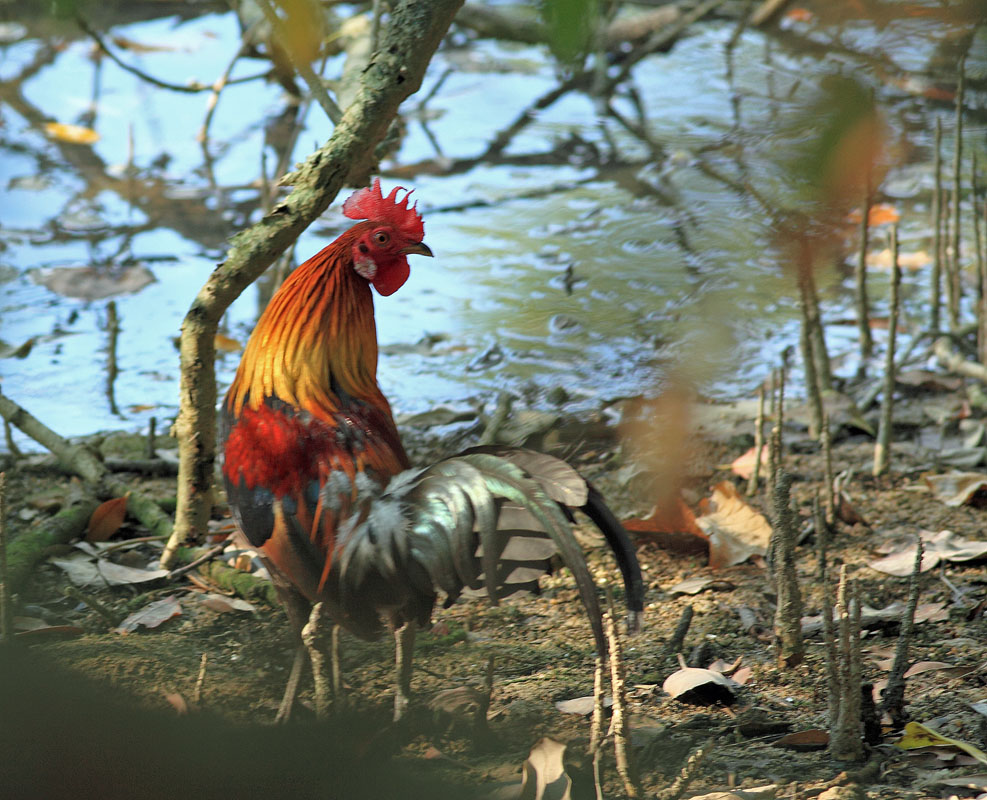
(72, 134)
(152, 615)
(94, 283)
(882, 259)
(544, 776)
(917, 735)
(23, 350)
(107, 519)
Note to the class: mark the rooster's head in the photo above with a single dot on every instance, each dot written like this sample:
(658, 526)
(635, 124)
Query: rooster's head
(393, 231)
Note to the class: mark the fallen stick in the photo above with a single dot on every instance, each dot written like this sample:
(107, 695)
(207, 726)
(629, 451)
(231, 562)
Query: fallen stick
(85, 463)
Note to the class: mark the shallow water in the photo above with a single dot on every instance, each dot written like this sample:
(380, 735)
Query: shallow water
(593, 260)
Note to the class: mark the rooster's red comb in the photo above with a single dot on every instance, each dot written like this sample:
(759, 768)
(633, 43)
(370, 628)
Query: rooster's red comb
(370, 203)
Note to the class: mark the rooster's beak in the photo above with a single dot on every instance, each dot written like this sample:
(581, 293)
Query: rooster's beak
(420, 249)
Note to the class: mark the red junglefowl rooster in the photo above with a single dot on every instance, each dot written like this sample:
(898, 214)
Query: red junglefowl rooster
(319, 482)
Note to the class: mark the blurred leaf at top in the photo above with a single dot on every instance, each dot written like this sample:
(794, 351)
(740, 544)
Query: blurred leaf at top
(304, 28)
(570, 27)
(838, 142)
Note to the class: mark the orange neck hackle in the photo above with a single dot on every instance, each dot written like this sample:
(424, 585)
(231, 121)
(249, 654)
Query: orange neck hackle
(315, 345)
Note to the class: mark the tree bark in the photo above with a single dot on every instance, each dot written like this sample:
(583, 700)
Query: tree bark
(395, 72)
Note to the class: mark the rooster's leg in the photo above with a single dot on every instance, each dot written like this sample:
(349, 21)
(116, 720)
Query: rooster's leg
(404, 646)
(288, 701)
(314, 641)
(336, 670)
(298, 609)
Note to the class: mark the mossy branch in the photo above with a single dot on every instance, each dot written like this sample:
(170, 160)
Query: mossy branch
(395, 72)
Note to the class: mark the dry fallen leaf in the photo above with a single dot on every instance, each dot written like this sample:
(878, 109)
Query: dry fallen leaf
(699, 584)
(152, 615)
(917, 735)
(177, 702)
(581, 705)
(956, 488)
(224, 605)
(703, 687)
(743, 465)
(673, 528)
(107, 519)
(544, 776)
(937, 547)
(72, 134)
(735, 530)
(803, 741)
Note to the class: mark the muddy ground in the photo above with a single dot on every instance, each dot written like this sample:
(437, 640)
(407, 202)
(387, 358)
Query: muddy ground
(123, 733)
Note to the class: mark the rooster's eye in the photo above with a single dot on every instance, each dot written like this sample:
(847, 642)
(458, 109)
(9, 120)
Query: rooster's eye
(381, 238)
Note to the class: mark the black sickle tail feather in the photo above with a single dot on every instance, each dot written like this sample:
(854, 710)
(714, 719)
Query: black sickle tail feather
(441, 530)
(570, 490)
(623, 549)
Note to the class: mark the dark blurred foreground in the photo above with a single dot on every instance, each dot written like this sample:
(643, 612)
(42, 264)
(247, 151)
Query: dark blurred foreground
(64, 737)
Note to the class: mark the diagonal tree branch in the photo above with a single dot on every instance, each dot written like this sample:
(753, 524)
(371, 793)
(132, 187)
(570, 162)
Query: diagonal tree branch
(396, 70)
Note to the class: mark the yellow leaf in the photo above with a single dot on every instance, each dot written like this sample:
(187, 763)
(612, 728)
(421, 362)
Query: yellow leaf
(73, 134)
(917, 735)
(227, 344)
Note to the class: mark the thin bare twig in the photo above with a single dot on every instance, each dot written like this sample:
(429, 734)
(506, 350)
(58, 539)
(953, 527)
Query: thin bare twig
(882, 447)
(192, 87)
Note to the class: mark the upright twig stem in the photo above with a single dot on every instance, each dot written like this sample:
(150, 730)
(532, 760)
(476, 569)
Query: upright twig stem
(809, 362)
(758, 443)
(935, 299)
(6, 606)
(619, 721)
(860, 275)
(955, 273)
(981, 265)
(788, 610)
(829, 500)
(112, 335)
(846, 739)
(200, 680)
(893, 696)
(883, 445)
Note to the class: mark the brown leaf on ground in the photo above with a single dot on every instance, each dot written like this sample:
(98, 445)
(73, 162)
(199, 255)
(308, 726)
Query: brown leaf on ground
(107, 519)
(956, 488)
(735, 530)
(743, 465)
(672, 528)
(152, 615)
(803, 741)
